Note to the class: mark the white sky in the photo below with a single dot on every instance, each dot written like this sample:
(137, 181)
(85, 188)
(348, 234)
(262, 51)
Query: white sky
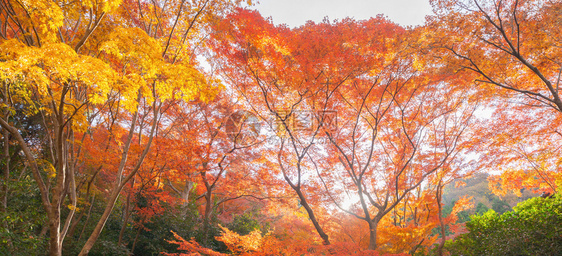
(296, 12)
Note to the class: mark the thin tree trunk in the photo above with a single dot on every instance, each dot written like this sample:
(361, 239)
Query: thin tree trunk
(207, 216)
(72, 229)
(312, 217)
(302, 198)
(5, 134)
(5, 190)
(121, 181)
(101, 223)
(87, 217)
(126, 218)
(51, 207)
(77, 221)
(441, 224)
(185, 197)
(136, 239)
(75, 224)
(72, 186)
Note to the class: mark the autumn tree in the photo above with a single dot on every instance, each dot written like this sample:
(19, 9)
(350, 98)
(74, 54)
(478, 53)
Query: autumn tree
(69, 61)
(160, 58)
(389, 152)
(510, 51)
(287, 78)
(61, 97)
(403, 126)
(392, 113)
(217, 162)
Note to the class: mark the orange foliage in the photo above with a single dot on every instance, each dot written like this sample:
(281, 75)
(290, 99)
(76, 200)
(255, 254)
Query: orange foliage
(269, 245)
(509, 53)
(240, 244)
(191, 247)
(132, 113)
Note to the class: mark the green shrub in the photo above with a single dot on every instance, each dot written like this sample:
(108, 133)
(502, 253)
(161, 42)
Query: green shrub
(534, 227)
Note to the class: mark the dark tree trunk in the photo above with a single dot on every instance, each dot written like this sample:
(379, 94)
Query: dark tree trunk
(312, 217)
(373, 235)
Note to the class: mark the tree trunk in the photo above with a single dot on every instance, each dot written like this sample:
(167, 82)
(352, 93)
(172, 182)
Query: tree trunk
(6, 180)
(87, 217)
(312, 217)
(55, 247)
(126, 217)
(125, 220)
(121, 181)
(101, 223)
(136, 239)
(441, 224)
(51, 207)
(207, 215)
(75, 224)
(5, 134)
(373, 235)
(185, 196)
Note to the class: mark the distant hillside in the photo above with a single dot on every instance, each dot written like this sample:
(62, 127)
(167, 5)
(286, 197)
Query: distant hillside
(482, 197)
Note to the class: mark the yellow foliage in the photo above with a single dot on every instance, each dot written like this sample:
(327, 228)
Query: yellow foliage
(72, 207)
(48, 167)
(45, 15)
(240, 244)
(396, 239)
(106, 6)
(40, 75)
(140, 57)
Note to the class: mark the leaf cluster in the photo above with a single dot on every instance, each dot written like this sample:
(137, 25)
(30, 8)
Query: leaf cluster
(534, 227)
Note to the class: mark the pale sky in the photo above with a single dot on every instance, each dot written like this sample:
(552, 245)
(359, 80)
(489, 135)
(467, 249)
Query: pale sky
(296, 12)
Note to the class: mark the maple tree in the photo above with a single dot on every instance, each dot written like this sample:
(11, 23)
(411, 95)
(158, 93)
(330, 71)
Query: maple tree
(271, 72)
(510, 51)
(409, 227)
(55, 63)
(501, 43)
(61, 96)
(272, 62)
(220, 164)
(392, 145)
(192, 247)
